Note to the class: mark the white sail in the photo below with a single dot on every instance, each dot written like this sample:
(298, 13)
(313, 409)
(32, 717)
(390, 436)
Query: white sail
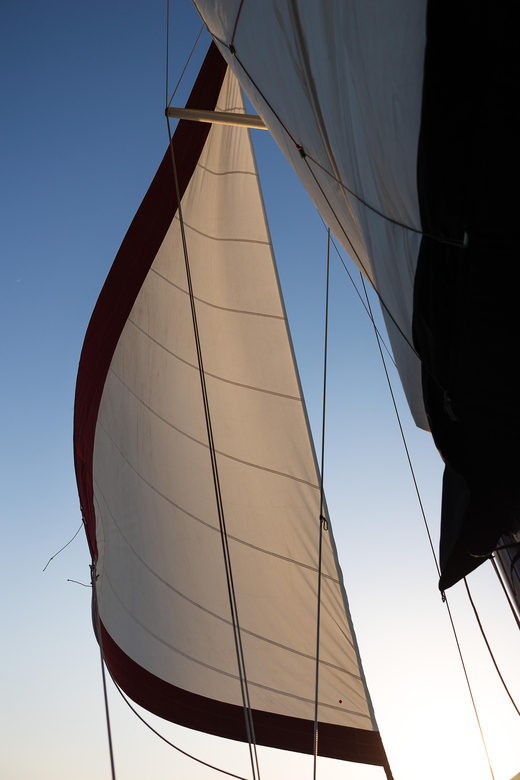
(343, 81)
(161, 585)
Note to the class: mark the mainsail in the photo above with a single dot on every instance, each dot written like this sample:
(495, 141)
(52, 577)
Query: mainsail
(147, 477)
(399, 120)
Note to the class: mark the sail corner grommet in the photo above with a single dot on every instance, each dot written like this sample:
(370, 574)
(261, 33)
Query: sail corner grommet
(232, 49)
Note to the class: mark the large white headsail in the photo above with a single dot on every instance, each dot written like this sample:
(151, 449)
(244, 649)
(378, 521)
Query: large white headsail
(162, 593)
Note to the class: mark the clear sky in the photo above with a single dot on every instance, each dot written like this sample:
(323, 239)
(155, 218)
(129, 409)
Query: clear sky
(83, 131)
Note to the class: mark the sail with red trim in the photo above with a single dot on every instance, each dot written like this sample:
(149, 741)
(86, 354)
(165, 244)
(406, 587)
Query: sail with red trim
(156, 451)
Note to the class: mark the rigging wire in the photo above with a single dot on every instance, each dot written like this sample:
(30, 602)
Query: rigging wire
(445, 599)
(358, 293)
(168, 102)
(167, 741)
(97, 620)
(322, 518)
(477, 616)
(248, 715)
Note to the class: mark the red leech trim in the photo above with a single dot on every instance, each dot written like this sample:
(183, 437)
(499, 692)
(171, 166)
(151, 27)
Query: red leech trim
(127, 275)
(227, 720)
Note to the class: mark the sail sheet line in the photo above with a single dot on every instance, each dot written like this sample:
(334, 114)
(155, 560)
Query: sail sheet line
(161, 736)
(223, 672)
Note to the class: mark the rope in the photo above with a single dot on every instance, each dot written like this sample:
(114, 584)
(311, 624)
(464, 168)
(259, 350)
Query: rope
(64, 546)
(248, 716)
(488, 646)
(323, 520)
(369, 313)
(444, 597)
(97, 619)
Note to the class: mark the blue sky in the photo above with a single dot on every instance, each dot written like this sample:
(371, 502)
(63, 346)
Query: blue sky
(82, 132)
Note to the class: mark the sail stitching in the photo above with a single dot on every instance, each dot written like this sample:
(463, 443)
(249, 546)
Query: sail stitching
(225, 173)
(214, 305)
(220, 617)
(208, 373)
(208, 525)
(222, 672)
(225, 238)
(167, 741)
(220, 452)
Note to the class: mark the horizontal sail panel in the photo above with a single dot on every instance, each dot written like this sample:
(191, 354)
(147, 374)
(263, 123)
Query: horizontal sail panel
(162, 591)
(342, 83)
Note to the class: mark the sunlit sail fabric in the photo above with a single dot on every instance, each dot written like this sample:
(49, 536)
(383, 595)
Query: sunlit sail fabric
(146, 481)
(395, 101)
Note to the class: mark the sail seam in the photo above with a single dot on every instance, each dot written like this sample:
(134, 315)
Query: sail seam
(208, 525)
(224, 238)
(222, 671)
(226, 173)
(204, 444)
(222, 619)
(208, 373)
(215, 305)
